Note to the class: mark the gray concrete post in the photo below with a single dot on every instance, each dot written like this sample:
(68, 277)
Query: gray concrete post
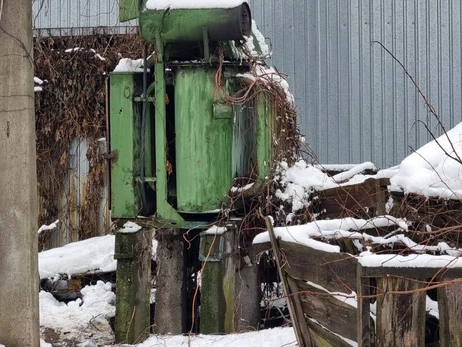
(169, 315)
(19, 308)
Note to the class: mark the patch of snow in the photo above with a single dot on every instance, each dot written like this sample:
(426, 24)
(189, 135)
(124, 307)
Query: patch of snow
(38, 89)
(389, 205)
(215, 230)
(130, 227)
(275, 337)
(38, 80)
(415, 260)
(129, 65)
(96, 253)
(86, 317)
(432, 307)
(302, 179)
(75, 49)
(241, 189)
(430, 172)
(178, 4)
(342, 176)
(97, 55)
(48, 227)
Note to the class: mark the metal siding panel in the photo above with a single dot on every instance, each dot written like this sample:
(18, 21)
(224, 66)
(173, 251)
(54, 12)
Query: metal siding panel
(75, 17)
(332, 82)
(300, 64)
(455, 62)
(323, 121)
(343, 62)
(400, 81)
(355, 80)
(289, 44)
(311, 107)
(366, 68)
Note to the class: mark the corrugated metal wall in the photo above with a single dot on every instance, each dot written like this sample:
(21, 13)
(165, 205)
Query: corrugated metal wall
(356, 103)
(75, 17)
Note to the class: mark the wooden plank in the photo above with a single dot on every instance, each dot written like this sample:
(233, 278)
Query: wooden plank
(364, 200)
(329, 311)
(299, 312)
(301, 333)
(411, 272)
(400, 317)
(450, 308)
(334, 271)
(364, 310)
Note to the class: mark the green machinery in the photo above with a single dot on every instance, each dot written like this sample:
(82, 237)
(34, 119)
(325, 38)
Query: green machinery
(180, 147)
(180, 143)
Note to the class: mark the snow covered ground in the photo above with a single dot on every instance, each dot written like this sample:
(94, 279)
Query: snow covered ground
(433, 170)
(85, 322)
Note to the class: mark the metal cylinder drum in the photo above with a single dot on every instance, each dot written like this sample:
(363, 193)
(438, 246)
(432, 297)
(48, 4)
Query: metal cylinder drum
(187, 25)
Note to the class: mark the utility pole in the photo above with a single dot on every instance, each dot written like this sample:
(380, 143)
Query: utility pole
(19, 307)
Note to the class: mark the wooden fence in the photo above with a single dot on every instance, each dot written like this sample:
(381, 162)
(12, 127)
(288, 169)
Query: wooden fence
(322, 316)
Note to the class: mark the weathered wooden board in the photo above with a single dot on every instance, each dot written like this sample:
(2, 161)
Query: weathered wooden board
(329, 311)
(450, 308)
(400, 317)
(323, 337)
(365, 200)
(334, 271)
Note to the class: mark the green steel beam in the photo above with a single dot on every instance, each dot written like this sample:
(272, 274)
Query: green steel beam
(125, 146)
(164, 210)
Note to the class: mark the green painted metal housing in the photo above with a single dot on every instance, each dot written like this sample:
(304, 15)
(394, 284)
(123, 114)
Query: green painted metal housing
(204, 139)
(199, 147)
(214, 142)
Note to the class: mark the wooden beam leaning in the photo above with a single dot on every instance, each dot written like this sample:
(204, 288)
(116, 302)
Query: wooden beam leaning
(364, 309)
(301, 331)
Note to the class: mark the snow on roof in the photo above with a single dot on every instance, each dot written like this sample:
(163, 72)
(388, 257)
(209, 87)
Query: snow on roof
(414, 260)
(176, 4)
(333, 229)
(351, 228)
(301, 179)
(430, 172)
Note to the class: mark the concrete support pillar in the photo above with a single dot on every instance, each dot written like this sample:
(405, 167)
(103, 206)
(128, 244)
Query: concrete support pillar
(230, 289)
(133, 249)
(19, 308)
(169, 315)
